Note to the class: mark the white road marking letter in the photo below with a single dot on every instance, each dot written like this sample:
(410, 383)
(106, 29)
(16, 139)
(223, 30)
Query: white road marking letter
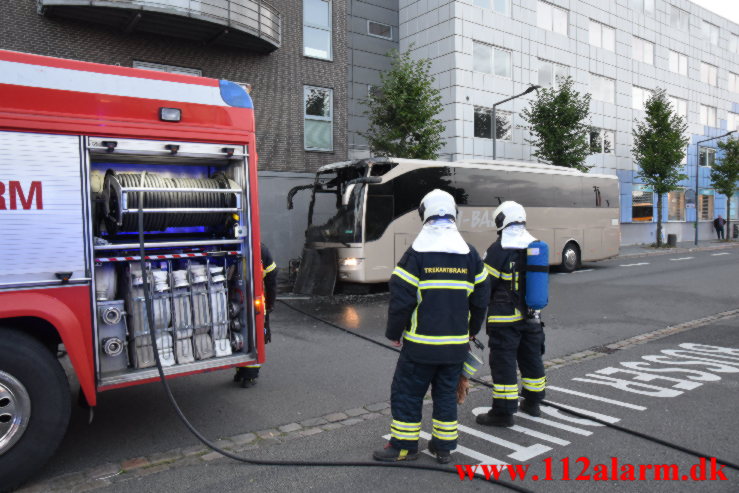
(484, 459)
(629, 386)
(602, 417)
(521, 453)
(718, 350)
(648, 377)
(597, 398)
(539, 435)
(690, 359)
(703, 357)
(561, 426)
(702, 376)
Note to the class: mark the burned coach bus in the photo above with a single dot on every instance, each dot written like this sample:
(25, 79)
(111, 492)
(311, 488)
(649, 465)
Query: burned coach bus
(362, 214)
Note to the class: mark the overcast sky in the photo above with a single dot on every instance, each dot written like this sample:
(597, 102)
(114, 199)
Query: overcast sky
(724, 8)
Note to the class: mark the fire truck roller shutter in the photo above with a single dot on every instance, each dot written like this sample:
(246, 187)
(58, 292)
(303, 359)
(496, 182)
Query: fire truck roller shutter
(119, 222)
(35, 406)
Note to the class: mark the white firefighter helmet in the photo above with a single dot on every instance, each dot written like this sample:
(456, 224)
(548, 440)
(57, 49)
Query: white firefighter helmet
(509, 212)
(436, 204)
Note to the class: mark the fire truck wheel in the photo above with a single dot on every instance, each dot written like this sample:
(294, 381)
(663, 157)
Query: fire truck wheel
(35, 405)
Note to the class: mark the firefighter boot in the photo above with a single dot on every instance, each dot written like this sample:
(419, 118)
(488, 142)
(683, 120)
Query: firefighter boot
(530, 407)
(248, 382)
(442, 456)
(392, 454)
(495, 419)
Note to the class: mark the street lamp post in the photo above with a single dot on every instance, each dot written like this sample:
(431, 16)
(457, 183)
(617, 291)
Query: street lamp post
(697, 174)
(495, 119)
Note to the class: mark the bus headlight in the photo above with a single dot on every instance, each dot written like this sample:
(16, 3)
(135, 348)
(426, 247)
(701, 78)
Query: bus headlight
(350, 262)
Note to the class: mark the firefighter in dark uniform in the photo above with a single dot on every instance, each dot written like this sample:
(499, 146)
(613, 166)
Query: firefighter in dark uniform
(438, 296)
(516, 333)
(247, 375)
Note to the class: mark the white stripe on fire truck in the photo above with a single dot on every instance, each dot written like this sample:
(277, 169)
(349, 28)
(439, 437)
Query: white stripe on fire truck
(24, 74)
(158, 257)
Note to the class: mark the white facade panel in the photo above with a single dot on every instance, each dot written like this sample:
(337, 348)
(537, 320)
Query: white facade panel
(41, 215)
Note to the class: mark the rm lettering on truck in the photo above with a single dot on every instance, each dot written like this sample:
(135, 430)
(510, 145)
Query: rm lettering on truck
(32, 198)
(80, 145)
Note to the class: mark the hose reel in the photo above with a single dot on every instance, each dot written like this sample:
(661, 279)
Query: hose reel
(170, 202)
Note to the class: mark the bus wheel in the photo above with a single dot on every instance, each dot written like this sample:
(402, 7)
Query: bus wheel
(570, 258)
(34, 407)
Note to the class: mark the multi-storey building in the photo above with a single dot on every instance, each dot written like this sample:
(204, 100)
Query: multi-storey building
(291, 52)
(484, 51)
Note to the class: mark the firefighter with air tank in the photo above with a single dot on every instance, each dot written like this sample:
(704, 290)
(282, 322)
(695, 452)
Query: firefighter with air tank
(517, 265)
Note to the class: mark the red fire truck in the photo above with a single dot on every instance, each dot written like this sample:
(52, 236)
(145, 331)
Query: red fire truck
(86, 151)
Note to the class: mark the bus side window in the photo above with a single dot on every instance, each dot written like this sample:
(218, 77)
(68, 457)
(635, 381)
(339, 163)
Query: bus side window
(379, 215)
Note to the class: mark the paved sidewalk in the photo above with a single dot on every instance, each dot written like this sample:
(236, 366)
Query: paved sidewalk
(682, 247)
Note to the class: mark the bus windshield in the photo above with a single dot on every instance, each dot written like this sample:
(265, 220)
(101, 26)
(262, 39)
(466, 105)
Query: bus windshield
(335, 212)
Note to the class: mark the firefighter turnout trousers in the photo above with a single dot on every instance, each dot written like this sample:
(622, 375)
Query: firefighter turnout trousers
(410, 383)
(521, 341)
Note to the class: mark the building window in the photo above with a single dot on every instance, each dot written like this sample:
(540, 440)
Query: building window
(602, 88)
(484, 124)
(491, 59)
(734, 206)
(707, 156)
(709, 74)
(602, 36)
(172, 69)
(318, 118)
(379, 30)
(551, 74)
(676, 205)
(680, 107)
(601, 141)
(500, 6)
(733, 82)
(708, 116)
(551, 18)
(678, 63)
(733, 43)
(646, 6)
(705, 204)
(317, 29)
(732, 121)
(642, 200)
(639, 97)
(642, 50)
(710, 32)
(679, 19)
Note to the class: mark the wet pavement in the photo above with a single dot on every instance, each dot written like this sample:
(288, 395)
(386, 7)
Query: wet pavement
(315, 371)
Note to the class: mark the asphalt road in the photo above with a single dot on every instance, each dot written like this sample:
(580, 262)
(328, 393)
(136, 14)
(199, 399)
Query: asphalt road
(315, 370)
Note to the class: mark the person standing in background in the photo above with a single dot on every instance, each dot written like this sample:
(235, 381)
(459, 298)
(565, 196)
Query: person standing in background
(247, 375)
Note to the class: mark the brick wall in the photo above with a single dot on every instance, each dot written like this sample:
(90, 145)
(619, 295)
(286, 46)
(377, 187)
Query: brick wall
(277, 78)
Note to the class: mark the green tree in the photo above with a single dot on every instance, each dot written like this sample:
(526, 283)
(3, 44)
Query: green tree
(659, 149)
(557, 120)
(403, 110)
(725, 175)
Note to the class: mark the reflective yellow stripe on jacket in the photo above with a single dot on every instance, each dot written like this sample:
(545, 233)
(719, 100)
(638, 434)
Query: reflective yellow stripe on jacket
(498, 274)
(406, 276)
(502, 319)
(435, 340)
(269, 269)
